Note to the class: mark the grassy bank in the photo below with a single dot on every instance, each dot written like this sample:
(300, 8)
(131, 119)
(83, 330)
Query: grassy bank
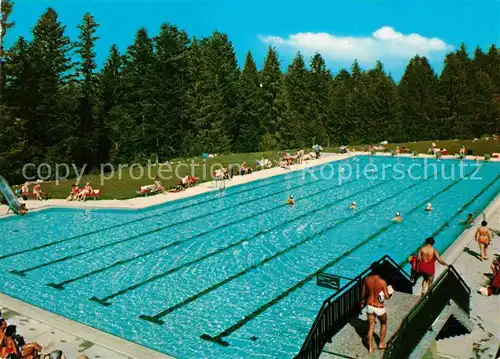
(126, 184)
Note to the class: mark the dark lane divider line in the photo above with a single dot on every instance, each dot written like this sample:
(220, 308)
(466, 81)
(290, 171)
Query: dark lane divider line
(458, 212)
(105, 301)
(218, 338)
(216, 197)
(156, 318)
(156, 230)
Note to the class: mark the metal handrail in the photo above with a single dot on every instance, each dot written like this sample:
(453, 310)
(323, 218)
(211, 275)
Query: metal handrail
(450, 274)
(323, 332)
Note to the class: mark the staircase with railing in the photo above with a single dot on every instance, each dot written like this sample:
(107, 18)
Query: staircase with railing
(414, 322)
(448, 297)
(345, 304)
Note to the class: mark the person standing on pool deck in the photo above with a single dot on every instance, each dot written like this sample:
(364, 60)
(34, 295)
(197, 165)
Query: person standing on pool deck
(426, 266)
(483, 239)
(373, 293)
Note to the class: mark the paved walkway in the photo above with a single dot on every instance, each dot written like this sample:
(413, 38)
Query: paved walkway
(484, 341)
(51, 338)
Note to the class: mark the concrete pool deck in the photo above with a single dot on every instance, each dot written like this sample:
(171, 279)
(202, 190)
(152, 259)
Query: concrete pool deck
(76, 339)
(484, 340)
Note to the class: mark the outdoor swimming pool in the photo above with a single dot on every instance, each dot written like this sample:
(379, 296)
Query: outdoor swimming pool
(235, 266)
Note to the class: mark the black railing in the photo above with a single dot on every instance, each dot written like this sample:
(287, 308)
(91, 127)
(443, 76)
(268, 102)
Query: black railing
(449, 286)
(341, 307)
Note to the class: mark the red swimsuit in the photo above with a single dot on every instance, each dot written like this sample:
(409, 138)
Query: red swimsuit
(427, 268)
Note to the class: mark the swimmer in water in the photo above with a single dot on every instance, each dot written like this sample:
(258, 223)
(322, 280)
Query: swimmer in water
(470, 220)
(290, 200)
(353, 205)
(398, 217)
(429, 207)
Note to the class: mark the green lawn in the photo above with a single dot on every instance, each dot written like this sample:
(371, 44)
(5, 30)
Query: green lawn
(479, 147)
(126, 186)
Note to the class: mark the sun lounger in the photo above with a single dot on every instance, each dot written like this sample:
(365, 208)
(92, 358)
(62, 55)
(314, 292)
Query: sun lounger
(95, 194)
(145, 190)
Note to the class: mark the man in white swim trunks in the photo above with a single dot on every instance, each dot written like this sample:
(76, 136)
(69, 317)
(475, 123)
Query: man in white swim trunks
(374, 291)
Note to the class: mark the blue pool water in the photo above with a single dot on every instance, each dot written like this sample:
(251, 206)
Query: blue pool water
(236, 265)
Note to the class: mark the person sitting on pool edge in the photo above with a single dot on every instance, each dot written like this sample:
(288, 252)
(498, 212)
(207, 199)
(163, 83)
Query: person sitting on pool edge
(74, 193)
(290, 200)
(398, 217)
(353, 205)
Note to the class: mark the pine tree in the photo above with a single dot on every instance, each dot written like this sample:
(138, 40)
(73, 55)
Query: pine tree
(88, 129)
(455, 85)
(52, 110)
(337, 126)
(484, 92)
(193, 96)
(320, 82)
(135, 132)
(272, 95)
(171, 61)
(385, 116)
(5, 13)
(421, 103)
(298, 131)
(215, 121)
(491, 65)
(251, 98)
(110, 95)
(357, 117)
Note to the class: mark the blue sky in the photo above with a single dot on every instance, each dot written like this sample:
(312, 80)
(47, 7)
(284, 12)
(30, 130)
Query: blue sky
(390, 30)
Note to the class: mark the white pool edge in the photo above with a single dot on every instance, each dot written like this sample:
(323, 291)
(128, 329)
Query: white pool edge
(77, 329)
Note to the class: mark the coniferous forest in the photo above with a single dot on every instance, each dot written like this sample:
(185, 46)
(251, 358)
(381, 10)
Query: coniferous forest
(173, 95)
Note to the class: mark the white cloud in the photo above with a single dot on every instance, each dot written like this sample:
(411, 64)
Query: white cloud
(385, 43)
